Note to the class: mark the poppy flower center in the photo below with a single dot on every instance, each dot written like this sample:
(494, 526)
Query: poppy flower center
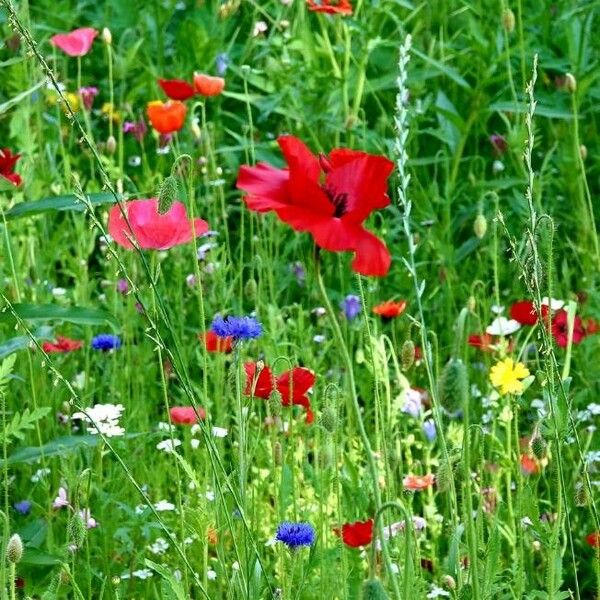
(338, 199)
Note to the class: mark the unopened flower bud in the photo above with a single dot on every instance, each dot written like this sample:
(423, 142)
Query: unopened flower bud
(570, 83)
(111, 145)
(471, 304)
(76, 531)
(581, 494)
(167, 194)
(277, 453)
(407, 354)
(196, 131)
(251, 288)
(449, 582)
(444, 475)
(14, 549)
(538, 446)
(373, 590)
(583, 151)
(480, 226)
(275, 403)
(329, 419)
(508, 20)
(107, 36)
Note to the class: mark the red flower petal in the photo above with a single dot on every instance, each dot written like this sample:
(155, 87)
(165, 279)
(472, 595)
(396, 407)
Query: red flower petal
(76, 43)
(176, 89)
(359, 533)
(214, 343)
(207, 85)
(524, 312)
(186, 415)
(261, 386)
(593, 539)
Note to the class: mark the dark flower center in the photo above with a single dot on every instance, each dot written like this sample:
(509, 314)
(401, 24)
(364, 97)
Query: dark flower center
(339, 201)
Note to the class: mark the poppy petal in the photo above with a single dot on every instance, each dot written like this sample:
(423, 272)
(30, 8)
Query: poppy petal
(372, 256)
(266, 186)
(176, 89)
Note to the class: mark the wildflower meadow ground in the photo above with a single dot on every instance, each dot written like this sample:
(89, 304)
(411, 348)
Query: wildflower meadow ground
(299, 299)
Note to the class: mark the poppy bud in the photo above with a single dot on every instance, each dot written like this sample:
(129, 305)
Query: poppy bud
(570, 83)
(196, 131)
(275, 403)
(251, 288)
(480, 226)
(260, 365)
(277, 453)
(107, 36)
(167, 194)
(64, 577)
(538, 446)
(471, 304)
(76, 531)
(581, 494)
(111, 145)
(449, 582)
(454, 385)
(326, 455)
(329, 419)
(407, 354)
(583, 151)
(508, 20)
(14, 549)
(373, 590)
(444, 475)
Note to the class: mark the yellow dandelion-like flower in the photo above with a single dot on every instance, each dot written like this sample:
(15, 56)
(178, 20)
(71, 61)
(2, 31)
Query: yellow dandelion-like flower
(73, 100)
(507, 376)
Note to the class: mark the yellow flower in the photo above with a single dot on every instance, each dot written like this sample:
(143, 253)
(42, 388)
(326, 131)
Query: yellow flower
(73, 100)
(108, 109)
(507, 374)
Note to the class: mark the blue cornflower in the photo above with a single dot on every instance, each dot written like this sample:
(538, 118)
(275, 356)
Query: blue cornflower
(239, 328)
(295, 535)
(222, 63)
(351, 306)
(22, 507)
(429, 429)
(106, 341)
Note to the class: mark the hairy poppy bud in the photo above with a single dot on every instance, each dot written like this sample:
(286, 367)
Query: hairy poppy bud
(329, 419)
(538, 446)
(407, 354)
(14, 549)
(480, 226)
(471, 304)
(107, 36)
(251, 288)
(444, 475)
(275, 403)
(449, 582)
(196, 131)
(581, 494)
(373, 590)
(111, 145)
(76, 531)
(277, 453)
(508, 20)
(326, 455)
(454, 385)
(167, 194)
(570, 83)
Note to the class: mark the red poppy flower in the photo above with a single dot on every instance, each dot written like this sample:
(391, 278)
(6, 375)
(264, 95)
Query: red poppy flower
(482, 341)
(529, 465)
(418, 482)
(330, 7)
(177, 89)
(62, 344)
(150, 229)
(591, 326)
(389, 310)
(186, 415)
(206, 85)
(166, 117)
(593, 539)
(76, 43)
(330, 197)
(214, 343)
(560, 329)
(293, 386)
(8, 160)
(359, 533)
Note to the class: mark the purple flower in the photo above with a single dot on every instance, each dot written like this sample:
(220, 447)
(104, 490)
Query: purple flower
(299, 272)
(499, 144)
(412, 403)
(62, 499)
(429, 430)
(239, 328)
(87, 96)
(22, 507)
(295, 535)
(351, 306)
(106, 341)
(122, 286)
(136, 128)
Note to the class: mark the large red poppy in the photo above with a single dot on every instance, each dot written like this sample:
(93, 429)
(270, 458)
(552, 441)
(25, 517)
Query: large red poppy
(560, 329)
(166, 117)
(150, 229)
(330, 7)
(62, 344)
(359, 533)
(214, 343)
(8, 160)
(177, 89)
(524, 312)
(186, 415)
(330, 197)
(76, 43)
(293, 386)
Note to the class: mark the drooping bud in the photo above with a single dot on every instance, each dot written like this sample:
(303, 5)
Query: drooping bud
(538, 445)
(277, 453)
(275, 403)
(14, 549)
(581, 494)
(449, 582)
(407, 354)
(329, 419)
(480, 226)
(373, 590)
(454, 385)
(444, 475)
(107, 36)
(570, 83)
(251, 288)
(111, 145)
(471, 304)
(196, 131)
(508, 20)
(76, 531)
(167, 194)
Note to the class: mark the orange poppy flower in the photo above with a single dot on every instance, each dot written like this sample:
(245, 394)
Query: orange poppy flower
(206, 85)
(166, 117)
(529, 466)
(330, 7)
(417, 483)
(389, 310)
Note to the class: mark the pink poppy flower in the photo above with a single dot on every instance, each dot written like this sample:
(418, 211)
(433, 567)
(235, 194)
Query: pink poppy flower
(76, 43)
(150, 229)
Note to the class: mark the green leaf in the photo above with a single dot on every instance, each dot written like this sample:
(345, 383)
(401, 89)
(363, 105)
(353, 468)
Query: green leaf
(20, 97)
(173, 587)
(58, 447)
(33, 556)
(22, 342)
(66, 202)
(23, 422)
(442, 68)
(73, 314)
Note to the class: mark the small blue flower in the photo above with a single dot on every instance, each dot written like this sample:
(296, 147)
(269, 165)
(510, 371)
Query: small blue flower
(351, 306)
(22, 507)
(106, 341)
(295, 535)
(429, 430)
(299, 272)
(222, 63)
(239, 328)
